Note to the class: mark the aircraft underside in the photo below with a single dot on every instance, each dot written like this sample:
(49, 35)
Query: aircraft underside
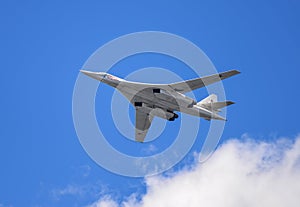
(163, 100)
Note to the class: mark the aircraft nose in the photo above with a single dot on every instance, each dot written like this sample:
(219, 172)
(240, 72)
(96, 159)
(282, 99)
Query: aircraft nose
(95, 75)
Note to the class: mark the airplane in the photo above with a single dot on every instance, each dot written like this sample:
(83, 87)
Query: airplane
(162, 100)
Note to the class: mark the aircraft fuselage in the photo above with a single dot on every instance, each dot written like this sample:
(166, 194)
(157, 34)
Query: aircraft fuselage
(163, 100)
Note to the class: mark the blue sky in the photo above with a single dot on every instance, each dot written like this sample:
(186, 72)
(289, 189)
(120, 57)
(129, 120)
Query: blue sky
(43, 46)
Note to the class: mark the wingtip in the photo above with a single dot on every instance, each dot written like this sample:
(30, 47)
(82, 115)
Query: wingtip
(234, 71)
(229, 103)
(139, 141)
(237, 71)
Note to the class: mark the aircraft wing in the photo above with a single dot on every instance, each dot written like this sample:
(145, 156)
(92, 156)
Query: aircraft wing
(187, 86)
(142, 124)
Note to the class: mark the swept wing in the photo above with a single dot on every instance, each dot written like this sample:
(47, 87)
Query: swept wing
(142, 124)
(189, 85)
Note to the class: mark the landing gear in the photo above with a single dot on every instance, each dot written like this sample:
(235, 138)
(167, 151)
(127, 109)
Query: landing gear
(175, 116)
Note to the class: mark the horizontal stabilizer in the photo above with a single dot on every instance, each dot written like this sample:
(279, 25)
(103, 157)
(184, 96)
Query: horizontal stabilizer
(219, 105)
(211, 103)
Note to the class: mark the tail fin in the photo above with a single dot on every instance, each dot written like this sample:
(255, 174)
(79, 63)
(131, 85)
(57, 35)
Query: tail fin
(211, 103)
(209, 99)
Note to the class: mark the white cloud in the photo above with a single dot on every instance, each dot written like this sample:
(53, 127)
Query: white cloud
(240, 173)
(74, 190)
(78, 191)
(150, 149)
(106, 201)
(85, 170)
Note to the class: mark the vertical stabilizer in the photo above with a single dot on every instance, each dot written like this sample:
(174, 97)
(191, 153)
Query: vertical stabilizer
(210, 99)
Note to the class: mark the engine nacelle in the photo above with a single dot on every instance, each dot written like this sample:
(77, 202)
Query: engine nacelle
(159, 112)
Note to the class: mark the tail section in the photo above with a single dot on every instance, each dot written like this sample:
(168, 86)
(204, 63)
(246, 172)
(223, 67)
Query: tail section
(210, 99)
(211, 103)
